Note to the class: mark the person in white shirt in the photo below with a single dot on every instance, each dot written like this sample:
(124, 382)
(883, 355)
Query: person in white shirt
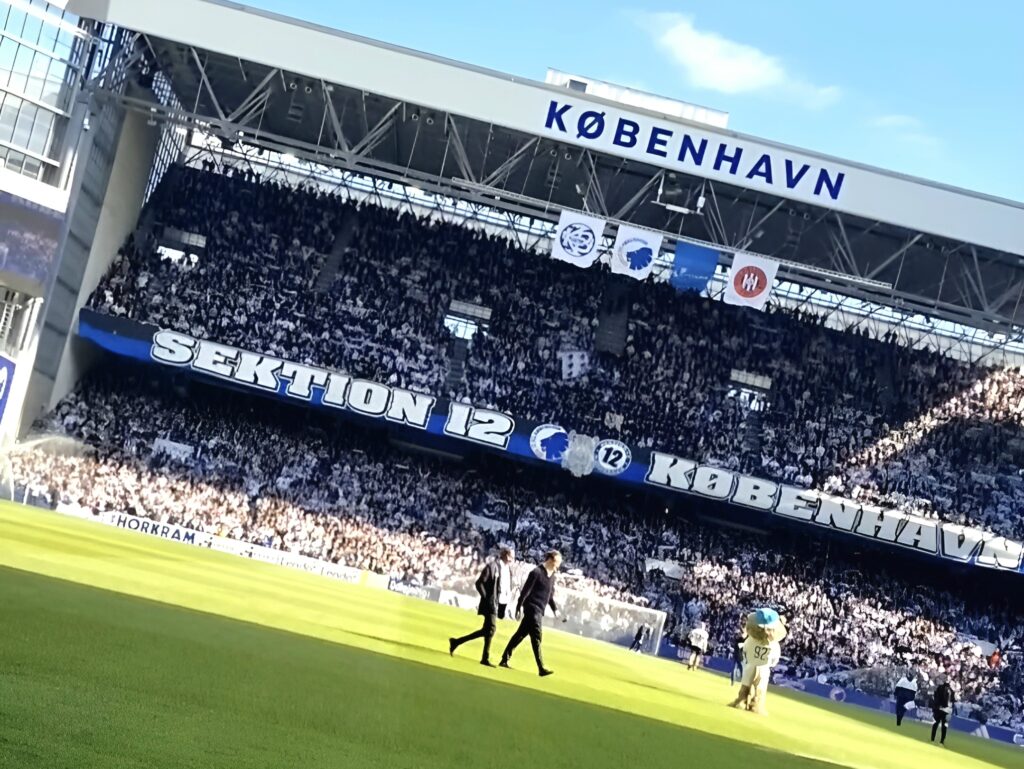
(698, 639)
(495, 588)
(905, 694)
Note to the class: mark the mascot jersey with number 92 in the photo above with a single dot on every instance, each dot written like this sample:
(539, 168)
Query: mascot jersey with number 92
(756, 655)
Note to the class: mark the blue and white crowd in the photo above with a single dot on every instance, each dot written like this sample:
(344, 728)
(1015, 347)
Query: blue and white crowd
(861, 417)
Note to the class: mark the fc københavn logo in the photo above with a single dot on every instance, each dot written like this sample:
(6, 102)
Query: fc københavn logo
(635, 254)
(549, 442)
(578, 240)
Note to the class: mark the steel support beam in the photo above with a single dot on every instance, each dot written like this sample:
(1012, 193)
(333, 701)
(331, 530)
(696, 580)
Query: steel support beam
(340, 141)
(206, 83)
(500, 174)
(256, 99)
(629, 205)
(459, 150)
(876, 271)
(376, 134)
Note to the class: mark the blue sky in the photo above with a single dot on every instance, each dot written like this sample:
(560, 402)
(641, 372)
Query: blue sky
(931, 89)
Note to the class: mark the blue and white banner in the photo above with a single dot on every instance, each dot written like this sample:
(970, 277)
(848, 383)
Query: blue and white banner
(634, 251)
(577, 238)
(693, 268)
(6, 381)
(437, 419)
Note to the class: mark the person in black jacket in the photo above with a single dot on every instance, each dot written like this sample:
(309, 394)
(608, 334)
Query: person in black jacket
(495, 588)
(537, 594)
(943, 700)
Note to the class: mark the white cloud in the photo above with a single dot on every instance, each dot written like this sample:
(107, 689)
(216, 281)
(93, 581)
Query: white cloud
(896, 121)
(907, 129)
(709, 60)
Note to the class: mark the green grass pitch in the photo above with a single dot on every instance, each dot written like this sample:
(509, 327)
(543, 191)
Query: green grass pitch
(121, 650)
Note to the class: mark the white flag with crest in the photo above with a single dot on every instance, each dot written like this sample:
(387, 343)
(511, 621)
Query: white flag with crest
(750, 281)
(577, 238)
(634, 251)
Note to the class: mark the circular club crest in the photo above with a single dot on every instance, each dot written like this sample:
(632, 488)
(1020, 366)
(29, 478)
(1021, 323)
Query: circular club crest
(750, 281)
(578, 239)
(549, 442)
(635, 254)
(612, 457)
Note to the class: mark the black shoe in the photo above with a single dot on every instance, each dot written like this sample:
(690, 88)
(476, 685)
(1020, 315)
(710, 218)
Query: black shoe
(487, 663)
(504, 664)
(452, 646)
(544, 672)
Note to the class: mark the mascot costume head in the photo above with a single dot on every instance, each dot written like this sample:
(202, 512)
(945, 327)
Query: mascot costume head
(765, 631)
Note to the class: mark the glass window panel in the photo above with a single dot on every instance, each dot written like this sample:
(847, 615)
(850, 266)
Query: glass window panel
(48, 37)
(37, 76)
(32, 167)
(22, 65)
(15, 22)
(65, 40)
(39, 141)
(8, 49)
(33, 26)
(8, 116)
(15, 161)
(23, 126)
(53, 90)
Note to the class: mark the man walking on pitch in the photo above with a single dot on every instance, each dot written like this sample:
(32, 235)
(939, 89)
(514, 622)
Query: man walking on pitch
(905, 692)
(943, 700)
(495, 588)
(537, 594)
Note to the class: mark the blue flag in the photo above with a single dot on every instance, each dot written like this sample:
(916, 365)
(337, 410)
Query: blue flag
(693, 267)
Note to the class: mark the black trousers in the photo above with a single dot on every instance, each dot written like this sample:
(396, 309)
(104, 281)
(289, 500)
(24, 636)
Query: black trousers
(940, 717)
(490, 627)
(903, 698)
(529, 626)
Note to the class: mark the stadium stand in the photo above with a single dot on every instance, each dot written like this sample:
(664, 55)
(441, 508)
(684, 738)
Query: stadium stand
(277, 476)
(864, 418)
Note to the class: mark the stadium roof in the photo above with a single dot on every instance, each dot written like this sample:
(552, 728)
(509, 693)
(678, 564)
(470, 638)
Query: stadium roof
(533, 148)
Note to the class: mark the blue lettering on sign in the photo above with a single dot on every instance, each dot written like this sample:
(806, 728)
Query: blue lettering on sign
(626, 133)
(834, 185)
(555, 116)
(688, 148)
(733, 160)
(794, 179)
(762, 168)
(659, 141)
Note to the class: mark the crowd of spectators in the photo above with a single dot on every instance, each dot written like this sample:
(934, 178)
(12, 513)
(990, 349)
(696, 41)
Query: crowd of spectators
(315, 278)
(275, 475)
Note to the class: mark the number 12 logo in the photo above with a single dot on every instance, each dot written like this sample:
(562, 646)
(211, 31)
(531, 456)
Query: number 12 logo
(612, 457)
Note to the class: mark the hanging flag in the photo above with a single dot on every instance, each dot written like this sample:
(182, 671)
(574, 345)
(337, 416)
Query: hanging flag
(575, 363)
(577, 238)
(750, 281)
(634, 251)
(693, 268)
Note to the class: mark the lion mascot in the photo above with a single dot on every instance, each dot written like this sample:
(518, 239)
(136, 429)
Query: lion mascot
(761, 652)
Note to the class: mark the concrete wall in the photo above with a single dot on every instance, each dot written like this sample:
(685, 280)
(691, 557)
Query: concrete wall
(103, 210)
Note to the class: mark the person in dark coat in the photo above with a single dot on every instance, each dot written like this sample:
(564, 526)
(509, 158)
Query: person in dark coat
(495, 588)
(943, 700)
(537, 594)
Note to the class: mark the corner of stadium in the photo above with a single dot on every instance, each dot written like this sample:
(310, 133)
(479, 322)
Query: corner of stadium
(332, 370)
